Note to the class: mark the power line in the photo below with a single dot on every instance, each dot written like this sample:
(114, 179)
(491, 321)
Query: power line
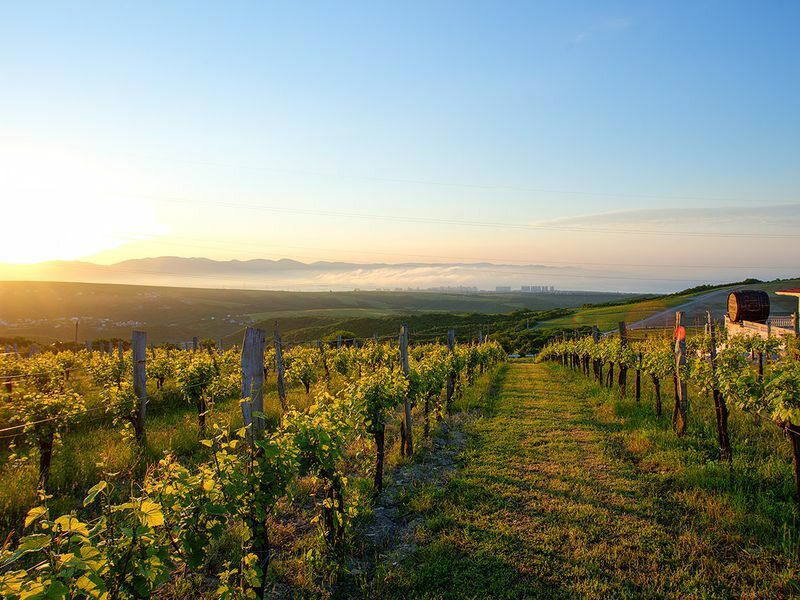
(435, 183)
(485, 224)
(463, 223)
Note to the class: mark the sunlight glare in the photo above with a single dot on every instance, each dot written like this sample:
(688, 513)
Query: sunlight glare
(64, 206)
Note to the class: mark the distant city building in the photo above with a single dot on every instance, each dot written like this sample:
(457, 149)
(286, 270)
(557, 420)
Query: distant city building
(503, 288)
(453, 289)
(538, 289)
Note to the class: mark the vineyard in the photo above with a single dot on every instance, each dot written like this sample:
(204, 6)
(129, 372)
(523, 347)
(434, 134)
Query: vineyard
(203, 512)
(265, 469)
(759, 376)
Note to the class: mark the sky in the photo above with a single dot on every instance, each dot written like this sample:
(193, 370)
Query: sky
(660, 138)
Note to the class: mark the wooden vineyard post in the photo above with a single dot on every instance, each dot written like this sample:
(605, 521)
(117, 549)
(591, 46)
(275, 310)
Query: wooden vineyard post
(623, 368)
(279, 369)
(195, 344)
(253, 380)
(338, 341)
(407, 433)
(321, 346)
(451, 375)
(639, 377)
(598, 364)
(480, 337)
(720, 406)
(139, 347)
(680, 412)
(120, 351)
(794, 437)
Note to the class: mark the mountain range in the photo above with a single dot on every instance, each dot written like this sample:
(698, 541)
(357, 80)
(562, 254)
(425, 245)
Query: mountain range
(293, 275)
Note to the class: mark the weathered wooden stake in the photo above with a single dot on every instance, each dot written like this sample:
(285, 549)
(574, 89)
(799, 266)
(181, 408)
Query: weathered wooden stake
(639, 377)
(720, 406)
(407, 448)
(681, 410)
(279, 369)
(598, 364)
(139, 347)
(253, 380)
(623, 368)
(451, 376)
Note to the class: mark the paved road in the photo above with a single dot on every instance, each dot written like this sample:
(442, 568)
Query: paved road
(714, 301)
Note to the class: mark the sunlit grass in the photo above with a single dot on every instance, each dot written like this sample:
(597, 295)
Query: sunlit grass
(568, 490)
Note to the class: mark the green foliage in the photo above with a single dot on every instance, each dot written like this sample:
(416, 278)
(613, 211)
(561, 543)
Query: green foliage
(377, 394)
(302, 366)
(128, 544)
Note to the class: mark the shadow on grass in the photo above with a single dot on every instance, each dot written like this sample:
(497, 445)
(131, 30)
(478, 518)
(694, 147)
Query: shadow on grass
(756, 487)
(443, 570)
(484, 400)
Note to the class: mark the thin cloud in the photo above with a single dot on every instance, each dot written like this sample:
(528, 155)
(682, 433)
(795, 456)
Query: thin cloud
(610, 25)
(787, 215)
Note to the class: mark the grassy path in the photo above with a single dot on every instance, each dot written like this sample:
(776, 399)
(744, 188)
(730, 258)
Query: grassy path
(543, 507)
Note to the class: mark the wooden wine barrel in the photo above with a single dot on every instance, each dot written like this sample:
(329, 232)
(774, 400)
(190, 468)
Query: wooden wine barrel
(748, 305)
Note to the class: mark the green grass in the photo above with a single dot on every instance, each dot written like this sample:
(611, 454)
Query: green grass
(607, 317)
(568, 491)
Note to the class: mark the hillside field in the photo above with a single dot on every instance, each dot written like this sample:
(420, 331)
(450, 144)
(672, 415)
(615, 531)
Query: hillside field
(607, 317)
(45, 311)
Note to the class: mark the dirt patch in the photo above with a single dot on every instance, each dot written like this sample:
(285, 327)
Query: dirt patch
(390, 536)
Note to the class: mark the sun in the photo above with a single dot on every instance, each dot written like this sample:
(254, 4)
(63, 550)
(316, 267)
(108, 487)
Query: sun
(62, 206)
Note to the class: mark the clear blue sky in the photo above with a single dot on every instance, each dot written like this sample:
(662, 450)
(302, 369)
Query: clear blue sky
(530, 112)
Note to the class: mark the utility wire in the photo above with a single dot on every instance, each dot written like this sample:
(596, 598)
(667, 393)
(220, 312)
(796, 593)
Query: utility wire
(483, 224)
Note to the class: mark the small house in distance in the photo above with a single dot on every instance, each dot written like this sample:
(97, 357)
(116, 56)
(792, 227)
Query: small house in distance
(749, 314)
